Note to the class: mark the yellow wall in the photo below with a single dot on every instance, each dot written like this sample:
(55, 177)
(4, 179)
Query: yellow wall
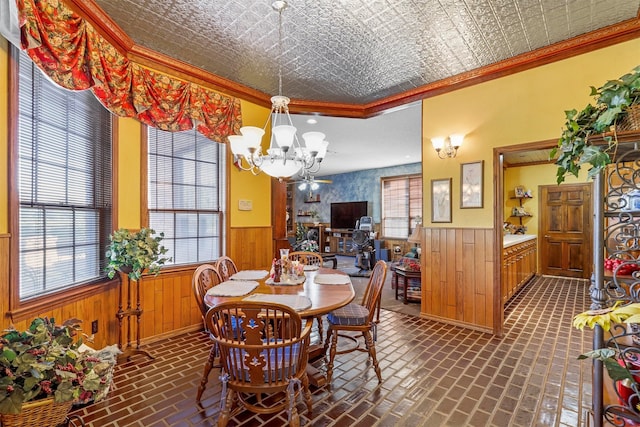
(245, 185)
(129, 133)
(524, 107)
(531, 177)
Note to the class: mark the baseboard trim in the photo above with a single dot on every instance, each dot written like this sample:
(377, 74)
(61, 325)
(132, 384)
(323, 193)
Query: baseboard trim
(456, 323)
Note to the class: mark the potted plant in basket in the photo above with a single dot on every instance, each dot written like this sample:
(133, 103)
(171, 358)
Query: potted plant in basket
(135, 252)
(44, 370)
(617, 107)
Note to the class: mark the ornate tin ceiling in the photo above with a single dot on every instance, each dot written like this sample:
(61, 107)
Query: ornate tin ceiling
(355, 51)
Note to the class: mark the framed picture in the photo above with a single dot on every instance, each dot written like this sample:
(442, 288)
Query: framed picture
(471, 185)
(441, 200)
(519, 191)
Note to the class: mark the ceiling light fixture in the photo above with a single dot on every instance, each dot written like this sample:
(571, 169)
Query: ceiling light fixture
(286, 156)
(447, 147)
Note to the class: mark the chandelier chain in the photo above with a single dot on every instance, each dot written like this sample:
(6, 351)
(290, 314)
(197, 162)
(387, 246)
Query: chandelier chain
(281, 6)
(285, 156)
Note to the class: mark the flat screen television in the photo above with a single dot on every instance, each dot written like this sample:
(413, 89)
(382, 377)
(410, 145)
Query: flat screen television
(345, 214)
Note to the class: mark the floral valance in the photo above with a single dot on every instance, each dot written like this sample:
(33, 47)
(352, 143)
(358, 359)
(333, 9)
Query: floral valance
(74, 55)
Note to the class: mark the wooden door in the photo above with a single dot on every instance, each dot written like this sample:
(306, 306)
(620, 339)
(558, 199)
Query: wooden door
(565, 230)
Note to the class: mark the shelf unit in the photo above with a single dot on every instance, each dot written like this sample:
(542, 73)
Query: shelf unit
(521, 206)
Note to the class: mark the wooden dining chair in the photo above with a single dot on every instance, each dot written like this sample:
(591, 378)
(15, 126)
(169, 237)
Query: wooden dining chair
(204, 278)
(226, 267)
(306, 258)
(310, 258)
(358, 318)
(264, 353)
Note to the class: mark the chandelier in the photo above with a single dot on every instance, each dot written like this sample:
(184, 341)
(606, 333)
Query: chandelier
(285, 156)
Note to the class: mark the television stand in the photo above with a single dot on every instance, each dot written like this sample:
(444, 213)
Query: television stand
(341, 242)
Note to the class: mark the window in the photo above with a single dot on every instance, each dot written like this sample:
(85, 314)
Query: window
(401, 205)
(187, 194)
(64, 183)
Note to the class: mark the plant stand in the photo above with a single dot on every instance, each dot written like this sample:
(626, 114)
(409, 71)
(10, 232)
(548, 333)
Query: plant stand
(128, 313)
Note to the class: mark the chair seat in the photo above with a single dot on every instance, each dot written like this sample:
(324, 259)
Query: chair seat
(277, 363)
(349, 315)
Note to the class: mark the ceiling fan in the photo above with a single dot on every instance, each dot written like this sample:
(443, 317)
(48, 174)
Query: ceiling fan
(310, 183)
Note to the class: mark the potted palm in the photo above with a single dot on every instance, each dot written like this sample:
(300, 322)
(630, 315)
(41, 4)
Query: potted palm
(135, 252)
(616, 108)
(44, 370)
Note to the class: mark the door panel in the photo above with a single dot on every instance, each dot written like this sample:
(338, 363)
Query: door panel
(554, 255)
(576, 256)
(565, 231)
(555, 217)
(575, 215)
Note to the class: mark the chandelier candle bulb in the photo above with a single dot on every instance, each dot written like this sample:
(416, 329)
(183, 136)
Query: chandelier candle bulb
(313, 141)
(252, 136)
(284, 135)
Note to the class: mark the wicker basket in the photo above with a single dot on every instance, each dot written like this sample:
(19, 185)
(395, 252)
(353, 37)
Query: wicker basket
(631, 120)
(41, 413)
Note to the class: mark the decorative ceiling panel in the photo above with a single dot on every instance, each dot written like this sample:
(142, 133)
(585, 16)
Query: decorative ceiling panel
(355, 51)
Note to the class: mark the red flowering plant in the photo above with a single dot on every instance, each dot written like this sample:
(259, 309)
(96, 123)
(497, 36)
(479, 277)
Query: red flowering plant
(46, 360)
(410, 264)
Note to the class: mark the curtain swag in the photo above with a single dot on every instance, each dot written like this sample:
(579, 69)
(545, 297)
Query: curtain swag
(72, 53)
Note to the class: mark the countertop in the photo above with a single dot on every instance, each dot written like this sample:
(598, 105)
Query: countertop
(514, 239)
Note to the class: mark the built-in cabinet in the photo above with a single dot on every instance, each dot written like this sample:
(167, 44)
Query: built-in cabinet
(519, 262)
(341, 242)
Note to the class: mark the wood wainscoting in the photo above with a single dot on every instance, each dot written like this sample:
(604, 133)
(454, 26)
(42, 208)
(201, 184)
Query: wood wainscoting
(458, 283)
(251, 247)
(168, 305)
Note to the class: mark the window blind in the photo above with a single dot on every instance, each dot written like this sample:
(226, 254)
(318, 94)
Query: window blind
(187, 194)
(64, 183)
(401, 205)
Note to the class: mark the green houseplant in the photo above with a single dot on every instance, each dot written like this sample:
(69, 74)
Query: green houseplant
(135, 252)
(613, 102)
(46, 361)
(622, 362)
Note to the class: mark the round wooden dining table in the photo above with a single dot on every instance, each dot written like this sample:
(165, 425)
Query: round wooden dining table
(324, 298)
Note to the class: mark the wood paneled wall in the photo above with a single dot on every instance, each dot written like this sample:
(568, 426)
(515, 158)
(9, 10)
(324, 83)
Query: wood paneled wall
(168, 305)
(251, 247)
(458, 283)
(4, 280)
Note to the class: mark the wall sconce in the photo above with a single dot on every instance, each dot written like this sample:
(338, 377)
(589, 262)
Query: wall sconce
(447, 147)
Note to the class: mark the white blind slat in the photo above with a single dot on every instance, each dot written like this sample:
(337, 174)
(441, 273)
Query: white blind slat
(64, 183)
(186, 196)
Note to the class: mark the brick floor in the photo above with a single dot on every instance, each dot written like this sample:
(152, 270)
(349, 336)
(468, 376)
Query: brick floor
(433, 375)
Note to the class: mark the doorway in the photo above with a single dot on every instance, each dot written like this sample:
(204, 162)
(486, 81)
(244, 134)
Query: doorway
(529, 154)
(565, 230)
